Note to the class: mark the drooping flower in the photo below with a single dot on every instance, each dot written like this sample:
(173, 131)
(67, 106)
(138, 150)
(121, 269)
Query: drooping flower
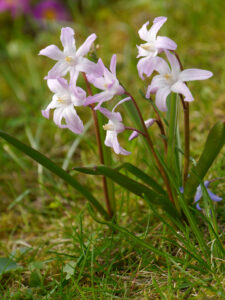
(66, 97)
(148, 123)
(70, 60)
(108, 82)
(154, 45)
(113, 128)
(212, 196)
(50, 10)
(173, 80)
(16, 7)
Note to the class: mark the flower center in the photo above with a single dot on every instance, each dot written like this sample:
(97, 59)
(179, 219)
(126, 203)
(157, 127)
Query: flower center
(168, 76)
(109, 126)
(70, 60)
(106, 85)
(148, 47)
(49, 14)
(62, 100)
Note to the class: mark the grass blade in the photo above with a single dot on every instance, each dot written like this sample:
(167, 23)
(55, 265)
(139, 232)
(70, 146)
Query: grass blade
(50, 165)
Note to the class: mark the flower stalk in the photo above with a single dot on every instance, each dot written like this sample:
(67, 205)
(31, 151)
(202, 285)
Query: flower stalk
(101, 157)
(186, 129)
(161, 169)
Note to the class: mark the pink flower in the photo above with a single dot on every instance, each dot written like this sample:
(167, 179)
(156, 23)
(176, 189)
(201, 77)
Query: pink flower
(154, 45)
(65, 98)
(16, 7)
(70, 60)
(108, 82)
(50, 10)
(173, 80)
(113, 128)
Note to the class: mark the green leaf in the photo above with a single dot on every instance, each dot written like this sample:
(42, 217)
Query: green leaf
(142, 176)
(132, 186)
(214, 143)
(7, 265)
(50, 165)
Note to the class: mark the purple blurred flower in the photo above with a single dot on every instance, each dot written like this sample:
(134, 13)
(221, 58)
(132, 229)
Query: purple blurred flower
(198, 194)
(16, 7)
(212, 196)
(50, 10)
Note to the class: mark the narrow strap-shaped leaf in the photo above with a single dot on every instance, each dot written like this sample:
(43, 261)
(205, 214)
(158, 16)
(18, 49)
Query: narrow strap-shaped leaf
(143, 176)
(50, 165)
(133, 186)
(214, 143)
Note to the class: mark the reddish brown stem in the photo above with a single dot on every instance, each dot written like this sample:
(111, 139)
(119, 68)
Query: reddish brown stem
(101, 157)
(134, 129)
(162, 130)
(161, 169)
(161, 127)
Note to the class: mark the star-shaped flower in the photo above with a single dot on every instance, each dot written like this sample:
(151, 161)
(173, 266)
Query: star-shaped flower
(173, 80)
(65, 98)
(70, 60)
(108, 82)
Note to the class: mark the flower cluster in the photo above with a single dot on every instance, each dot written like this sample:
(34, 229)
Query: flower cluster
(67, 96)
(169, 79)
(73, 61)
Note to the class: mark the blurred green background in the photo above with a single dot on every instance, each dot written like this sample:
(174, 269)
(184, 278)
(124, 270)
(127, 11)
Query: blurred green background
(198, 27)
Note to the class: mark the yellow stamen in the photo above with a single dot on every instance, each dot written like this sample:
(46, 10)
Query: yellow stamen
(108, 127)
(68, 59)
(168, 76)
(147, 47)
(60, 100)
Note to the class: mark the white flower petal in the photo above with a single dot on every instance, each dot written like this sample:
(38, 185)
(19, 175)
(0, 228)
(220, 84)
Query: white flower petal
(157, 24)
(58, 116)
(194, 74)
(113, 64)
(84, 49)
(59, 70)
(181, 88)
(160, 98)
(73, 121)
(158, 81)
(68, 41)
(174, 63)
(164, 42)
(143, 32)
(58, 86)
(52, 52)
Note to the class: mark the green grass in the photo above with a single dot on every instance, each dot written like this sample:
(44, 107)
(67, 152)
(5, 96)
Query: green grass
(45, 225)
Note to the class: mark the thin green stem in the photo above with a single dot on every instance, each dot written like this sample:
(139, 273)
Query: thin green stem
(101, 157)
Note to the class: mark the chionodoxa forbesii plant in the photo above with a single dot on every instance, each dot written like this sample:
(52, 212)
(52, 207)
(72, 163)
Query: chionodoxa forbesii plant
(167, 95)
